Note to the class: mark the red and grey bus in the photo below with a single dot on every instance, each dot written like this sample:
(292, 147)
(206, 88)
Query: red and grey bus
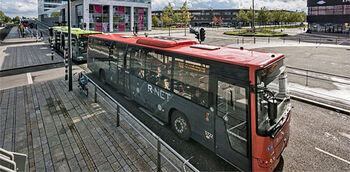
(233, 101)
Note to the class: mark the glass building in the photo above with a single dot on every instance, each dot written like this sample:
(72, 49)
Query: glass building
(108, 15)
(331, 16)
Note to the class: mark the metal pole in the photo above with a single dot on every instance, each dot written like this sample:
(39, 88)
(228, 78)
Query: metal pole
(95, 98)
(158, 155)
(118, 116)
(70, 84)
(253, 22)
(65, 56)
(51, 45)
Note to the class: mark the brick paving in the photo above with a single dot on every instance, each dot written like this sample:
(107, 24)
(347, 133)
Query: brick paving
(66, 131)
(23, 55)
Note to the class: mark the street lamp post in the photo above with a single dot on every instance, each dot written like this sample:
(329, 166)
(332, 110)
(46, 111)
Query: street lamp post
(70, 84)
(253, 19)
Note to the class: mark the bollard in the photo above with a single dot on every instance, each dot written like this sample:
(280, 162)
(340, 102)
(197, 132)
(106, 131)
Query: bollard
(51, 45)
(268, 40)
(65, 55)
(237, 40)
(243, 40)
(284, 40)
(158, 155)
(118, 116)
(254, 40)
(299, 40)
(95, 95)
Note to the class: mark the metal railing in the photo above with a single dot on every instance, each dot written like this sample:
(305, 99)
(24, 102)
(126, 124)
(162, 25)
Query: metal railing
(12, 161)
(311, 74)
(160, 142)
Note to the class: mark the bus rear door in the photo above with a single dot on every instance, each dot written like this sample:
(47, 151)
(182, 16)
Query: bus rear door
(231, 124)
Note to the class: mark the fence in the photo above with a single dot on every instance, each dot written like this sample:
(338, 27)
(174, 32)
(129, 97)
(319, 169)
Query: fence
(176, 161)
(321, 76)
(12, 161)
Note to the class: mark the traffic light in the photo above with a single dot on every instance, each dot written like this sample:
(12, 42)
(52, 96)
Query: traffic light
(197, 35)
(201, 34)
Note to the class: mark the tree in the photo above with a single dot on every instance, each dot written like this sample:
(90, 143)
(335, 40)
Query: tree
(7, 19)
(16, 20)
(277, 16)
(167, 15)
(185, 16)
(264, 16)
(155, 20)
(220, 20)
(215, 20)
(55, 14)
(250, 15)
(242, 16)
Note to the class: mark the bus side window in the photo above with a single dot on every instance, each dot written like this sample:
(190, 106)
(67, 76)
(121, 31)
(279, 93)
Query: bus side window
(158, 70)
(137, 62)
(191, 81)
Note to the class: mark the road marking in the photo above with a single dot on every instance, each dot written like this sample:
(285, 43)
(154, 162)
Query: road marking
(334, 156)
(30, 79)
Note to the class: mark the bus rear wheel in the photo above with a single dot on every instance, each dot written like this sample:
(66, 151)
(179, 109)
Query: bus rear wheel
(102, 76)
(180, 125)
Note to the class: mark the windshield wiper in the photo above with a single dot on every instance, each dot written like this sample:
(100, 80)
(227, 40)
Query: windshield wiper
(273, 130)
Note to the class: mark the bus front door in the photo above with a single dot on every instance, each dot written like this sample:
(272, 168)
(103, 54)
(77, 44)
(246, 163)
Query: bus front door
(231, 124)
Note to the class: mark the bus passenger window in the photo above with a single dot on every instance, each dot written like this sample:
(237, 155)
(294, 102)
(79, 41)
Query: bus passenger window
(191, 81)
(158, 69)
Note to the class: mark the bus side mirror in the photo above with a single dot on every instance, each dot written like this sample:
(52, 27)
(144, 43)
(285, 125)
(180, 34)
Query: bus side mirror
(272, 110)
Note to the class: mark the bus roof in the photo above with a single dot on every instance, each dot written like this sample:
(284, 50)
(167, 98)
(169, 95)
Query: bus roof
(81, 32)
(238, 56)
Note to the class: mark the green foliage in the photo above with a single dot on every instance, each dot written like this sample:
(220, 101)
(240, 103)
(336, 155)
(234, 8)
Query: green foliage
(167, 15)
(184, 16)
(264, 16)
(262, 33)
(155, 20)
(250, 15)
(242, 16)
(16, 20)
(55, 14)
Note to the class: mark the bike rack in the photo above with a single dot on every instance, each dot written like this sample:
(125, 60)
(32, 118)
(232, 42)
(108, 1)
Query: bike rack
(160, 142)
(12, 161)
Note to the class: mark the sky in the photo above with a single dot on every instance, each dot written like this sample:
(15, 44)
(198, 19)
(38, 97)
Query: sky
(29, 8)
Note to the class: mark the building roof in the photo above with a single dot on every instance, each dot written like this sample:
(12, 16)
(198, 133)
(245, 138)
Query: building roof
(238, 56)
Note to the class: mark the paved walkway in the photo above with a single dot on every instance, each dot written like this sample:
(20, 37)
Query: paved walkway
(65, 131)
(22, 55)
(13, 37)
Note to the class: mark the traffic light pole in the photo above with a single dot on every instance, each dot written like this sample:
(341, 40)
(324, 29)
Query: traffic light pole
(70, 82)
(253, 20)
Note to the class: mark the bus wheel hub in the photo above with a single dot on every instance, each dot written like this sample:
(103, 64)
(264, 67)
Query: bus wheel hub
(180, 125)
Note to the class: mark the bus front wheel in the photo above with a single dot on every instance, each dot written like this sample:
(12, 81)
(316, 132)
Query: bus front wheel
(180, 125)
(102, 76)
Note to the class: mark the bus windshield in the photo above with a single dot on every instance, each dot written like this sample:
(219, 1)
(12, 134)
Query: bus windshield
(271, 85)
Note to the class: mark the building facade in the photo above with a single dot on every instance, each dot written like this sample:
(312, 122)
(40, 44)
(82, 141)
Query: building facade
(205, 17)
(329, 15)
(46, 5)
(108, 15)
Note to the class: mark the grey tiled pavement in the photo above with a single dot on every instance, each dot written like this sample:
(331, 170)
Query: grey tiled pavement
(66, 131)
(22, 55)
